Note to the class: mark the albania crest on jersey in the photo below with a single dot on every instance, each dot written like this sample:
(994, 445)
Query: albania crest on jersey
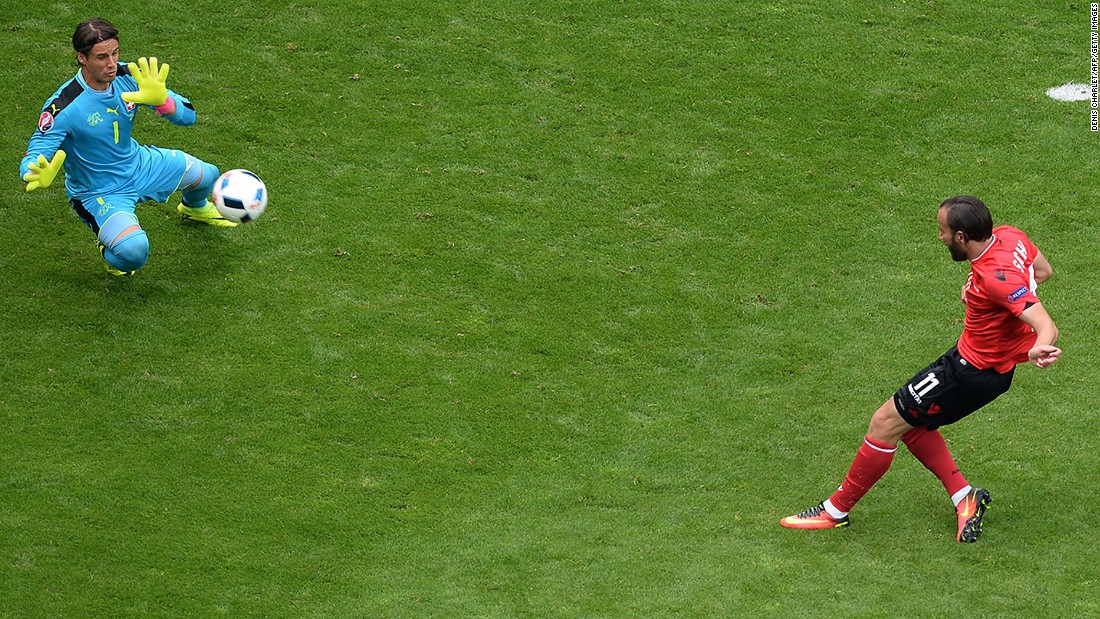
(45, 122)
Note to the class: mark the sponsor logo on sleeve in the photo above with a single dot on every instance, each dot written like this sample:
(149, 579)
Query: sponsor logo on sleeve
(45, 122)
(1019, 293)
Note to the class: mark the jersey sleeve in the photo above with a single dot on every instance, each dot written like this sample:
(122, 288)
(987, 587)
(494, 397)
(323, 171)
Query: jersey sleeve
(1015, 293)
(185, 112)
(45, 140)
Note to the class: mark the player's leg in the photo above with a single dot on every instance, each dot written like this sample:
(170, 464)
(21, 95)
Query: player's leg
(125, 246)
(976, 389)
(929, 401)
(122, 242)
(872, 460)
(942, 394)
(876, 453)
(970, 503)
(195, 185)
(164, 171)
(930, 449)
(198, 179)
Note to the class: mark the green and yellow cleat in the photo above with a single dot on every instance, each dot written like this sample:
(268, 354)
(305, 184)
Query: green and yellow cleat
(208, 215)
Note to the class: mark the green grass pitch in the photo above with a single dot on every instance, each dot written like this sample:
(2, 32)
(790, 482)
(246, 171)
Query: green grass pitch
(557, 308)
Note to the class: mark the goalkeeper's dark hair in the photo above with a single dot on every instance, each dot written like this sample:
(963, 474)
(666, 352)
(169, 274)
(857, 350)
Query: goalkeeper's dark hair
(95, 30)
(970, 216)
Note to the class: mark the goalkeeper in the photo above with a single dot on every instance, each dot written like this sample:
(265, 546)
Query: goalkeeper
(85, 128)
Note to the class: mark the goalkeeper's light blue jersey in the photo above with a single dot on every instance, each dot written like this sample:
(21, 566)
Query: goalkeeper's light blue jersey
(94, 129)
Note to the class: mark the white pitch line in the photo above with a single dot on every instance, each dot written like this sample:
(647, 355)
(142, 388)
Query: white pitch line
(1071, 91)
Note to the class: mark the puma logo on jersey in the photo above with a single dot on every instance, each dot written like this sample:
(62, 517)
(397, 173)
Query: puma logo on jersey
(112, 111)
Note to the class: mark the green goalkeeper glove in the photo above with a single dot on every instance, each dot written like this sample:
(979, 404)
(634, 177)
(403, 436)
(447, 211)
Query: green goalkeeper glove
(42, 173)
(151, 89)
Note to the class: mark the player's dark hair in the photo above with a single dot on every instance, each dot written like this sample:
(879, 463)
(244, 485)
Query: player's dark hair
(95, 30)
(970, 216)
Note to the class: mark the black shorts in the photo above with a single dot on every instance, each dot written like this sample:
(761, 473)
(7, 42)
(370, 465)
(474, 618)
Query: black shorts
(948, 390)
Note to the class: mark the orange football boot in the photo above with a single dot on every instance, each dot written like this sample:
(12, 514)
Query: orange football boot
(814, 518)
(970, 511)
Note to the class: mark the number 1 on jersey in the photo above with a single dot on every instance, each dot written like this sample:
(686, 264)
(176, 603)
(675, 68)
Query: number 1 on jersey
(116, 132)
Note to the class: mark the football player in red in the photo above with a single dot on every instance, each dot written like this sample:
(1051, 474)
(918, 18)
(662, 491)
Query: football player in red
(1005, 325)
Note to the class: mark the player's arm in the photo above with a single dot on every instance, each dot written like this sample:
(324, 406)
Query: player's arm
(1042, 268)
(45, 144)
(177, 109)
(1044, 352)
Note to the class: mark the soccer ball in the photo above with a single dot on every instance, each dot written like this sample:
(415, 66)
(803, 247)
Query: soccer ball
(240, 196)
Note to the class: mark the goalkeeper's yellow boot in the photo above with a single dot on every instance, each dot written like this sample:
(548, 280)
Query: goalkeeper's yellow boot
(208, 215)
(110, 269)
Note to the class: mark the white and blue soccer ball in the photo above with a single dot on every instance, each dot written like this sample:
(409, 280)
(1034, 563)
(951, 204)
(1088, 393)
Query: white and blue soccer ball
(240, 196)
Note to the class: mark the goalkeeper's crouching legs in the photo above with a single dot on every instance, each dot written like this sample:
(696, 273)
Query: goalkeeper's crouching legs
(124, 244)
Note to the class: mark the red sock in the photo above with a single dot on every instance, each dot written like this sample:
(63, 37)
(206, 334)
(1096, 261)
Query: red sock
(930, 448)
(870, 464)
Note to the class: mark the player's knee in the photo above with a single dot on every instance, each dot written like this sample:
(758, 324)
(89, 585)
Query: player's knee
(887, 424)
(131, 252)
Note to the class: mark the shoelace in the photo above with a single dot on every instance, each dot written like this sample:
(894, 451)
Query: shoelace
(812, 512)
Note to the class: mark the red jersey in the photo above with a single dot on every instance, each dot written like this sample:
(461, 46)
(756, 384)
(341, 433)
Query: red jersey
(999, 288)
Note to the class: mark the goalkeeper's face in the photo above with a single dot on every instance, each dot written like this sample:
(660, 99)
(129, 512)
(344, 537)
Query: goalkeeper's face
(100, 65)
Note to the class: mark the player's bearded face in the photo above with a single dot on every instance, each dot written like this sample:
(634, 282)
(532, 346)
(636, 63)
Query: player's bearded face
(958, 254)
(950, 238)
(100, 65)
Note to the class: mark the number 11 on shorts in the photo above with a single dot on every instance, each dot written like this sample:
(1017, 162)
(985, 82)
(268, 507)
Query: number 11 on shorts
(922, 388)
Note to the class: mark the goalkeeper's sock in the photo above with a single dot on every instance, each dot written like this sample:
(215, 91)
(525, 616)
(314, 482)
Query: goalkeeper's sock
(198, 179)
